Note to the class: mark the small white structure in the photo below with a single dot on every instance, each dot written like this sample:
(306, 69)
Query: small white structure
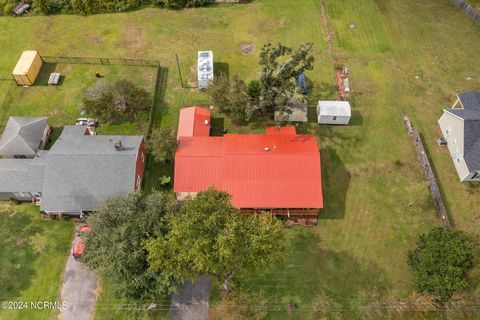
(205, 68)
(333, 112)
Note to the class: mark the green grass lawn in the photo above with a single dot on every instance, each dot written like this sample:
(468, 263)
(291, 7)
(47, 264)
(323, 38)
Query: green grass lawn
(405, 56)
(475, 3)
(63, 103)
(32, 258)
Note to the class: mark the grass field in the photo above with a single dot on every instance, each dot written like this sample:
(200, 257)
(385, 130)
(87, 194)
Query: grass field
(32, 258)
(405, 56)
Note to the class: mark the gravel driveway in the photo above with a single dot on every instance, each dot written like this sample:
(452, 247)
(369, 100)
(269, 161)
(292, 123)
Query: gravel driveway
(78, 290)
(191, 302)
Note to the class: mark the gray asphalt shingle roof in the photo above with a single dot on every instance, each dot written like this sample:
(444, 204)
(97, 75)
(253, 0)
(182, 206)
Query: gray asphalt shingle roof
(83, 170)
(77, 173)
(22, 136)
(470, 100)
(20, 175)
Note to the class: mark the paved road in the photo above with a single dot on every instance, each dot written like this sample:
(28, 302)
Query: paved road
(78, 290)
(191, 302)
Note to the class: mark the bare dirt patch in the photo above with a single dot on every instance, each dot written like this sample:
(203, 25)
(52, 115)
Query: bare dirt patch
(247, 48)
(134, 38)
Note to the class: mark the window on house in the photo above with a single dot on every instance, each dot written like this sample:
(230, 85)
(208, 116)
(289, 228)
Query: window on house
(143, 157)
(334, 118)
(448, 130)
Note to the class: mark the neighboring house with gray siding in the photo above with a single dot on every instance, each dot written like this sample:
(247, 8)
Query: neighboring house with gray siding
(77, 173)
(23, 137)
(460, 126)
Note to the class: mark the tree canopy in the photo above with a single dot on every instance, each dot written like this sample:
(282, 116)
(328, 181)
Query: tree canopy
(209, 236)
(231, 97)
(114, 247)
(118, 101)
(162, 144)
(279, 67)
(441, 261)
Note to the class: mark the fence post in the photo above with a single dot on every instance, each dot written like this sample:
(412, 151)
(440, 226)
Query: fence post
(179, 71)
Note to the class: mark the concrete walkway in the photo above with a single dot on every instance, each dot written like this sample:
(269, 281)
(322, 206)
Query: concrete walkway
(78, 290)
(191, 302)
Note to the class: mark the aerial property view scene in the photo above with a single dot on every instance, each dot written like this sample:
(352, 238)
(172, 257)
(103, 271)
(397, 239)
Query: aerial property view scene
(261, 159)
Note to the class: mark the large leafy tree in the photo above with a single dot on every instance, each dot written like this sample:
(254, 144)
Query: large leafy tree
(231, 97)
(114, 247)
(279, 67)
(163, 143)
(209, 236)
(118, 101)
(441, 262)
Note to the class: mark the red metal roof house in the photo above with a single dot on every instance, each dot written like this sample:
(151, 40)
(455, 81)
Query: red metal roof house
(278, 171)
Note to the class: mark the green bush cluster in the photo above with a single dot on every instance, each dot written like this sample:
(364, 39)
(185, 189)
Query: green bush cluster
(6, 6)
(86, 7)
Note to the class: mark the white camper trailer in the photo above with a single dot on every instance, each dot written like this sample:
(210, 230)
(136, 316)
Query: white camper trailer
(205, 68)
(333, 112)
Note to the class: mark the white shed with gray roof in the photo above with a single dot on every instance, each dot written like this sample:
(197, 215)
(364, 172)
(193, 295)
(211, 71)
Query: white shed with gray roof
(333, 112)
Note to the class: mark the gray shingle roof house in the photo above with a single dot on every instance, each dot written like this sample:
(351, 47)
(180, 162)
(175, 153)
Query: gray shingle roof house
(78, 172)
(460, 126)
(23, 136)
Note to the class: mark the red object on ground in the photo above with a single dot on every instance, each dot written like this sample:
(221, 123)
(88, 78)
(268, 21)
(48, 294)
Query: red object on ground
(78, 248)
(85, 228)
(340, 83)
(279, 169)
(195, 121)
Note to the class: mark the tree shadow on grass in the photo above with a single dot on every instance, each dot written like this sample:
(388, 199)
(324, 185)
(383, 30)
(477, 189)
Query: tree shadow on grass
(356, 119)
(17, 253)
(335, 182)
(161, 108)
(311, 276)
(440, 188)
(217, 126)
(220, 68)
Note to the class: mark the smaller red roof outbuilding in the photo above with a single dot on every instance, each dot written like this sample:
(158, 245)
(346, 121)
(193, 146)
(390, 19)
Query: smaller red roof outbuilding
(194, 121)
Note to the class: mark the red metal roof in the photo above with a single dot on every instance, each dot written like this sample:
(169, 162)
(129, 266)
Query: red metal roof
(193, 121)
(279, 170)
(287, 130)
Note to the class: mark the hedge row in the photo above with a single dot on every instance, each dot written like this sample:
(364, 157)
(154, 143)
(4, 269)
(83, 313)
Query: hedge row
(86, 7)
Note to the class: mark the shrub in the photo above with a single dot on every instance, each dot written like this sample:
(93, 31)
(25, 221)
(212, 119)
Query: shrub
(441, 262)
(6, 6)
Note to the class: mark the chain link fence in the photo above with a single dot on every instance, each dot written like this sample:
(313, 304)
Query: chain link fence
(101, 61)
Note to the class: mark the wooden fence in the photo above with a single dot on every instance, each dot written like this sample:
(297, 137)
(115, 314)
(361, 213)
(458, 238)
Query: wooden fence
(429, 175)
(468, 9)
